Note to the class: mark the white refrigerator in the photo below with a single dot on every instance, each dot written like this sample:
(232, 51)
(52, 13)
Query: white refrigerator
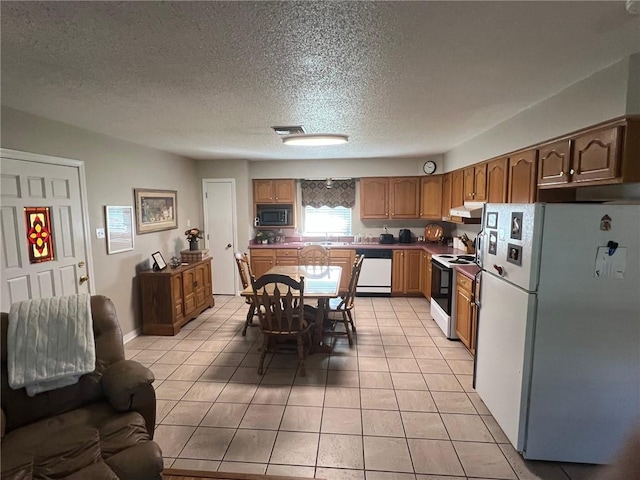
(558, 348)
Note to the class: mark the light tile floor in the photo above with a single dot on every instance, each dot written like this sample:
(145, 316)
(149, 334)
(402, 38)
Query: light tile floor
(398, 405)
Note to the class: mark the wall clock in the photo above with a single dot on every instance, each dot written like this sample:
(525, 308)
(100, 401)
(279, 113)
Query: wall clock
(429, 167)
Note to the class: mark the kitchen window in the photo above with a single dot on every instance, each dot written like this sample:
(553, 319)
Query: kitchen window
(327, 220)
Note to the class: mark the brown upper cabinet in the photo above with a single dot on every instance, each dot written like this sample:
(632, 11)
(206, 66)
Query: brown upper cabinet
(497, 180)
(522, 177)
(404, 197)
(446, 196)
(475, 183)
(390, 197)
(374, 197)
(274, 191)
(457, 188)
(602, 155)
(431, 197)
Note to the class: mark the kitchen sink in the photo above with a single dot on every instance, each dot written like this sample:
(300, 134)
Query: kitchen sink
(326, 244)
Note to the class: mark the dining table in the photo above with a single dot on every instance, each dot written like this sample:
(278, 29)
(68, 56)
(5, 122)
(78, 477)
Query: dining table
(321, 283)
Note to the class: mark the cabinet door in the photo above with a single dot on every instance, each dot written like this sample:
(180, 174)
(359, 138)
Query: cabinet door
(404, 197)
(374, 197)
(480, 183)
(431, 197)
(596, 155)
(344, 258)
(287, 256)
(176, 296)
(397, 272)
(200, 285)
(522, 177)
(412, 271)
(263, 191)
(261, 261)
(457, 188)
(469, 184)
(463, 316)
(189, 291)
(497, 180)
(554, 163)
(446, 196)
(284, 191)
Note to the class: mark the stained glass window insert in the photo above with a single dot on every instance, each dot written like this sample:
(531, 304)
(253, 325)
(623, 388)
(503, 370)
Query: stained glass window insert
(39, 237)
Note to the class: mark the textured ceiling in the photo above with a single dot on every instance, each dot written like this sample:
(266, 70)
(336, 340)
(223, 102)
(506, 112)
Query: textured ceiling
(208, 79)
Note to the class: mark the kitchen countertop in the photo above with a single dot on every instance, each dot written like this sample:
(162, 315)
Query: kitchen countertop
(433, 248)
(468, 270)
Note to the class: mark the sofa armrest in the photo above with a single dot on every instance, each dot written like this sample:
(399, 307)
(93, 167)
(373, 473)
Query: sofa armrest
(127, 386)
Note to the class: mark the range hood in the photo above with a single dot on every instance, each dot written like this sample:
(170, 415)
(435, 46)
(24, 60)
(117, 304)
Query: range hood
(468, 210)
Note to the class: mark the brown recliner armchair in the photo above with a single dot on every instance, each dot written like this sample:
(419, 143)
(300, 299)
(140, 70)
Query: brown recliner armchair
(100, 428)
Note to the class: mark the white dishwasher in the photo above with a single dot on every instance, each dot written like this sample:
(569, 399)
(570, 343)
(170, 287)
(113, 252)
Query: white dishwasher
(375, 276)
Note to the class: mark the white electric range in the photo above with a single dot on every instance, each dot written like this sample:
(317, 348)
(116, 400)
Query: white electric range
(443, 287)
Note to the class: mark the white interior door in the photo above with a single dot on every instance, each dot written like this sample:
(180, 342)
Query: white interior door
(30, 180)
(220, 231)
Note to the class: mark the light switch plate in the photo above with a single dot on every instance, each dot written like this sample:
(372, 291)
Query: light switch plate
(100, 232)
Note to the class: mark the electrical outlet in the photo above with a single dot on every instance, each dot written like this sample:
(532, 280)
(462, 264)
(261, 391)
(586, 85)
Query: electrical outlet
(99, 232)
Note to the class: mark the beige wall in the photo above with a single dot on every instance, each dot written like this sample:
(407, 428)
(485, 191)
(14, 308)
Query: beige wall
(597, 98)
(113, 169)
(244, 172)
(239, 171)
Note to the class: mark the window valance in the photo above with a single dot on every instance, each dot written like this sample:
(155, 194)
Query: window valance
(316, 194)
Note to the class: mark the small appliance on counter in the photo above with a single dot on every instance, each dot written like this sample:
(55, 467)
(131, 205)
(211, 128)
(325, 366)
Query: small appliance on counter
(386, 238)
(405, 236)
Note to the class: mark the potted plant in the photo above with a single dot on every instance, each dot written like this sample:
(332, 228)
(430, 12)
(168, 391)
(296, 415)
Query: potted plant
(193, 235)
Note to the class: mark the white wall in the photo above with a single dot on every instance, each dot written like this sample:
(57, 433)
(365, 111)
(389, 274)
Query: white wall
(113, 169)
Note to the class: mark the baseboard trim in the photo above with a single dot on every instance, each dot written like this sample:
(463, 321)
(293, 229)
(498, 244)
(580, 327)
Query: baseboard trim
(131, 335)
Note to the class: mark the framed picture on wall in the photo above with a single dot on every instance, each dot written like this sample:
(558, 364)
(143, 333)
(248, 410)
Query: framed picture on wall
(119, 228)
(156, 210)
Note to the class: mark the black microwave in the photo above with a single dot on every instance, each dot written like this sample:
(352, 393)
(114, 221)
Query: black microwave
(274, 216)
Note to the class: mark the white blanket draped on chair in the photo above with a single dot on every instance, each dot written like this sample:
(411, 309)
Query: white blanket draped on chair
(50, 342)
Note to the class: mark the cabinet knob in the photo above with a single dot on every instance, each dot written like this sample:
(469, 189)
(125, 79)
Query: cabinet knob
(561, 173)
(572, 171)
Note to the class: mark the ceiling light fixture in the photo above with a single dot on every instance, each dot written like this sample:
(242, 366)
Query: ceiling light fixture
(315, 139)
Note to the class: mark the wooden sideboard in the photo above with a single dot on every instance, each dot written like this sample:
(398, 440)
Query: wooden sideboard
(173, 296)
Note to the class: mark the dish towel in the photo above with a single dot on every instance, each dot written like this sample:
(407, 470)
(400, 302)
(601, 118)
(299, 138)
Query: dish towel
(50, 342)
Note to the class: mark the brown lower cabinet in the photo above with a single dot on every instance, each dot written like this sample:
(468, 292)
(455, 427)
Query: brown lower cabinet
(466, 318)
(406, 272)
(263, 259)
(172, 297)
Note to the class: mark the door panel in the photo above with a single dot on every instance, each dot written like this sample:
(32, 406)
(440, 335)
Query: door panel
(220, 230)
(27, 183)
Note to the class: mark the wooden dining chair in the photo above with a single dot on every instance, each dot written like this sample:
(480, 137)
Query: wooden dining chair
(313, 255)
(279, 302)
(244, 268)
(345, 304)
